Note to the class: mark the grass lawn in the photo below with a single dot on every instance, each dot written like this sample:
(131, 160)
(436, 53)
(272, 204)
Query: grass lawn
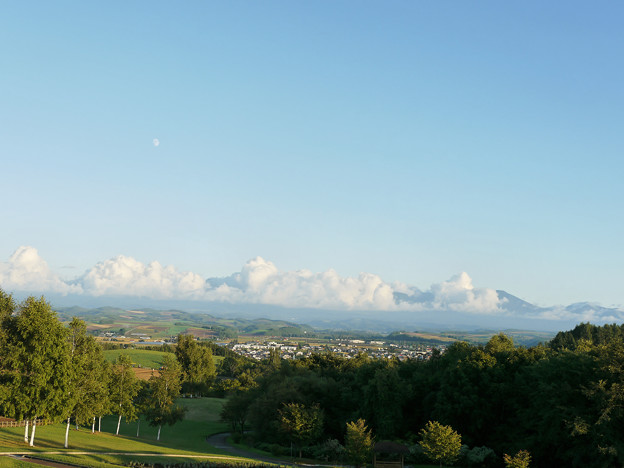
(177, 329)
(185, 438)
(6, 462)
(146, 358)
(140, 357)
(200, 421)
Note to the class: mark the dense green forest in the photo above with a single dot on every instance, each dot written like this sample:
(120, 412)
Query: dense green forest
(561, 403)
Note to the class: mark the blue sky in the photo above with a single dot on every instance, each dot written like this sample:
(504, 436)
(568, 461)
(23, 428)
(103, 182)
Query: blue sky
(412, 140)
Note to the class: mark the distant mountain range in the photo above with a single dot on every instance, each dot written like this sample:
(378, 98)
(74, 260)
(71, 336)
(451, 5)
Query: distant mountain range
(322, 299)
(572, 314)
(513, 312)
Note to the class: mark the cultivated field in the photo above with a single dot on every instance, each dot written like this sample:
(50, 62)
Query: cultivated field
(144, 358)
(146, 362)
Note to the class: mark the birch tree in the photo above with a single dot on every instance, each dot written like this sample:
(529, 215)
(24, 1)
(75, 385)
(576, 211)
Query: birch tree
(123, 388)
(88, 389)
(36, 364)
(163, 390)
(7, 308)
(141, 403)
(100, 394)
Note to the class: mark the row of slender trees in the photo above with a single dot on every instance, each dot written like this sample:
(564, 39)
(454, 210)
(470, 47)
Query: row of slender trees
(53, 372)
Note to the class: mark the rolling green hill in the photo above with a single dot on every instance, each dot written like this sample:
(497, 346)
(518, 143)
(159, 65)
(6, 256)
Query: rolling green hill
(163, 324)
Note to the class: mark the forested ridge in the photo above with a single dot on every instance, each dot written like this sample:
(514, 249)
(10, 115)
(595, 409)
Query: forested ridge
(562, 401)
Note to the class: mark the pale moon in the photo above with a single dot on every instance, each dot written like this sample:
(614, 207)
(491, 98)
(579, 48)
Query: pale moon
(156, 141)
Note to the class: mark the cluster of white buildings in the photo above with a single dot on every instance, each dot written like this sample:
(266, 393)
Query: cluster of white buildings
(261, 350)
(346, 348)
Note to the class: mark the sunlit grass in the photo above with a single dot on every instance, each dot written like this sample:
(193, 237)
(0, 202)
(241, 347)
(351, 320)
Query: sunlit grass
(187, 437)
(146, 358)
(141, 357)
(7, 462)
(103, 460)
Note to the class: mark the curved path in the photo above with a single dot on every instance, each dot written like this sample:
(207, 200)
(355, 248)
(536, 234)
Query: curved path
(220, 441)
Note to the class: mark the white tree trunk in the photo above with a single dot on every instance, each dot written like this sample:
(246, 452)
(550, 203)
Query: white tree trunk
(100, 424)
(138, 426)
(118, 424)
(67, 434)
(158, 436)
(93, 426)
(32, 435)
(26, 430)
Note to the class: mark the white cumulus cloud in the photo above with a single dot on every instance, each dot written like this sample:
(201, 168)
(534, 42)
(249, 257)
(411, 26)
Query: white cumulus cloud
(459, 294)
(258, 282)
(125, 276)
(261, 282)
(27, 271)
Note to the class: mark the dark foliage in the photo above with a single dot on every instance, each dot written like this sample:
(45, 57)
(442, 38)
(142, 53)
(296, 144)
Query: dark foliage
(563, 402)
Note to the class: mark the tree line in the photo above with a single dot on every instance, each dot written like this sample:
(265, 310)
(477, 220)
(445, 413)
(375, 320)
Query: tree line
(561, 402)
(53, 372)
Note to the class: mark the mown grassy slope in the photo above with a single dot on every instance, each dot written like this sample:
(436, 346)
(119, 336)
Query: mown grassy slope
(185, 438)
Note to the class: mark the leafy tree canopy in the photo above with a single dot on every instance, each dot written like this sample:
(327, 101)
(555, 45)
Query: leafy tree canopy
(522, 459)
(440, 443)
(358, 442)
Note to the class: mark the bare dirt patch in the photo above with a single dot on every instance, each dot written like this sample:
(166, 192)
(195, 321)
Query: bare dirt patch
(430, 336)
(200, 332)
(144, 373)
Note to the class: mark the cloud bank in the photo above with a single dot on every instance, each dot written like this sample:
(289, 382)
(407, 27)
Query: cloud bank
(261, 282)
(27, 271)
(258, 282)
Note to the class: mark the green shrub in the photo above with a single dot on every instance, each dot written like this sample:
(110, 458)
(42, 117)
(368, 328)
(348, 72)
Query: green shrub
(479, 457)
(330, 450)
(417, 455)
